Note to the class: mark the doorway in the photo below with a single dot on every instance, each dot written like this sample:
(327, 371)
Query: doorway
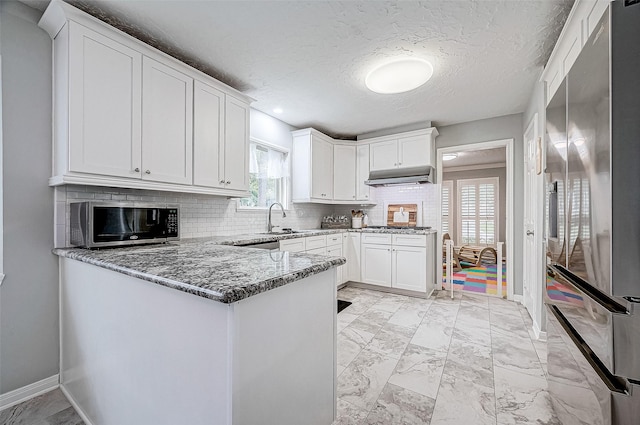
(475, 212)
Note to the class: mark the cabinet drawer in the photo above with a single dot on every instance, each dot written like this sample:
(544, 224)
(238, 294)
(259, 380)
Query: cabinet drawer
(293, 245)
(314, 242)
(334, 239)
(410, 240)
(377, 238)
(335, 251)
(318, 251)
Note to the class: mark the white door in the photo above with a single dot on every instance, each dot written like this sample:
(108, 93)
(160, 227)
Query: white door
(236, 144)
(321, 169)
(362, 172)
(414, 151)
(532, 275)
(208, 135)
(344, 173)
(351, 251)
(384, 155)
(336, 251)
(167, 124)
(105, 88)
(376, 264)
(409, 268)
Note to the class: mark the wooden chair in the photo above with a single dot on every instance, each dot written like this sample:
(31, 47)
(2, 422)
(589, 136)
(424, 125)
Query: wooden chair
(474, 256)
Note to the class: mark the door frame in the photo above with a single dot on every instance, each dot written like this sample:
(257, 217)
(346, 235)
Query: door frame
(508, 144)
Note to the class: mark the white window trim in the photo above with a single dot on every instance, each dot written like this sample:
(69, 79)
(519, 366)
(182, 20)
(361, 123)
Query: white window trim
(286, 151)
(451, 217)
(493, 180)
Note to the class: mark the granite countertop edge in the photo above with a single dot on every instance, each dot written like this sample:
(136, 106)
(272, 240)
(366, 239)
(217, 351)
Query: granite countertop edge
(227, 296)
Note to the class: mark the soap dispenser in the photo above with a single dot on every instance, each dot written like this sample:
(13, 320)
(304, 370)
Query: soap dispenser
(365, 220)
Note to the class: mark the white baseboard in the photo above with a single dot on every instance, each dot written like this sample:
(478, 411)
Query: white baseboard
(28, 392)
(542, 336)
(75, 405)
(517, 298)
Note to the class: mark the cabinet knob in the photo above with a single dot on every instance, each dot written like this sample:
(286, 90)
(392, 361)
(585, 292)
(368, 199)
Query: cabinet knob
(228, 181)
(395, 164)
(221, 181)
(147, 172)
(399, 163)
(137, 170)
(354, 196)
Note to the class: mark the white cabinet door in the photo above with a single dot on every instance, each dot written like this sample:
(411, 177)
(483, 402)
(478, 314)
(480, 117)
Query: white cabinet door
(208, 135)
(362, 171)
(167, 124)
(376, 264)
(414, 151)
(105, 86)
(321, 169)
(236, 144)
(351, 251)
(344, 173)
(384, 155)
(293, 245)
(409, 268)
(336, 251)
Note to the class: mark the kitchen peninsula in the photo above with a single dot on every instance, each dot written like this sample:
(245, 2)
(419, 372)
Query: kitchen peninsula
(198, 333)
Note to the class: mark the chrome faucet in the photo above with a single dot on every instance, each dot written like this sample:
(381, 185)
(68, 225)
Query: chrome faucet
(269, 225)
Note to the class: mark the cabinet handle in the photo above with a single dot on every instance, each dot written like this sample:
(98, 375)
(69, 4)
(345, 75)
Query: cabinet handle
(137, 170)
(399, 163)
(221, 181)
(354, 196)
(395, 164)
(228, 181)
(147, 171)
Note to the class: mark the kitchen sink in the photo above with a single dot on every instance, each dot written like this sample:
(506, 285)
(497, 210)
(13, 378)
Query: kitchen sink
(285, 232)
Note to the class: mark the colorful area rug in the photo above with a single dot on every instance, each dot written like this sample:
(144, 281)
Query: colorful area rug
(483, 280)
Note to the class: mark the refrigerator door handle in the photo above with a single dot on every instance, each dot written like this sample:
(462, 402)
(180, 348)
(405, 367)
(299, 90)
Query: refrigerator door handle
(585, 288)
(614, 383)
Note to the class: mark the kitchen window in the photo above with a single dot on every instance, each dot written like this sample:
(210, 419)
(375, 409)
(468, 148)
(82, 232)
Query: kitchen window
(268, 176)
(478, 211)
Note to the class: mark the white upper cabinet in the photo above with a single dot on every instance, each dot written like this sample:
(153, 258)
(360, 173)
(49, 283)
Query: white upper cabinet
(124, 114)
(208, 135)
(363, 191)
(413, 149)
(321, 169)
(580, 23)
(167, 115)
(384, 155)
(236, 145)
(104, 105)
(344, 172)
(312, 167)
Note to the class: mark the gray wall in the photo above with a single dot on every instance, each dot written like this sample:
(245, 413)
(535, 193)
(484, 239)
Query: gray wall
(29, 293)
(501, 173)
(506, 127)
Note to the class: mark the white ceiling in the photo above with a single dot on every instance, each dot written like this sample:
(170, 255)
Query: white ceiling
(478, 157)
(311, 57)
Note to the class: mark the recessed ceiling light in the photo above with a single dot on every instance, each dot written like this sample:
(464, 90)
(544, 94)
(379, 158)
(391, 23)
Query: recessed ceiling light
(399, 76)
(277, 110)
(449, 156)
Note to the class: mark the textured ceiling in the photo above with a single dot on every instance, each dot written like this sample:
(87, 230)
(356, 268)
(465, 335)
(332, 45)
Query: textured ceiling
(311, 57)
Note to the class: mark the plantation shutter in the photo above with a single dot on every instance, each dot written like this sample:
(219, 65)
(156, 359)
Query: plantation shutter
(447, 190)
(478, 208)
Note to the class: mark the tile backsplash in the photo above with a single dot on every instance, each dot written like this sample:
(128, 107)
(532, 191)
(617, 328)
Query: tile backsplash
(200, 215)
(425, 195)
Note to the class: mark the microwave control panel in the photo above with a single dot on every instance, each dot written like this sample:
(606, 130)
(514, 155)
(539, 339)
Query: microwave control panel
(172, 223)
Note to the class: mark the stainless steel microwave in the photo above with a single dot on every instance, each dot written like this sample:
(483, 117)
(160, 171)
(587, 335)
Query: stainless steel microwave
(107, 224)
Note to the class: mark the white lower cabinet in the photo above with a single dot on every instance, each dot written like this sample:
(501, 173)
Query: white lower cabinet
(317, 251)
(376, 264)
(351, 251)
(409, 268)
(293, 245)
(336, 251)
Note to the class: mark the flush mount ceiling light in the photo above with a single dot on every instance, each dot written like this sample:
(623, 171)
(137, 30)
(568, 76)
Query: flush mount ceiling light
(399, 76)
(449, 156)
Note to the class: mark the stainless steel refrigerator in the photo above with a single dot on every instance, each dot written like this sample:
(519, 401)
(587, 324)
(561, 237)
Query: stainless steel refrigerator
(593, 228)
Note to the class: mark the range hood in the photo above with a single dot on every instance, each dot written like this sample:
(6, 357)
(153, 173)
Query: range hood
(417, 175)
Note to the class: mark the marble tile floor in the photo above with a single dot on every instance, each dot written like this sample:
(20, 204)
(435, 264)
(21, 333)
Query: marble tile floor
(402, 360)
(468, 361)
(51, 408)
